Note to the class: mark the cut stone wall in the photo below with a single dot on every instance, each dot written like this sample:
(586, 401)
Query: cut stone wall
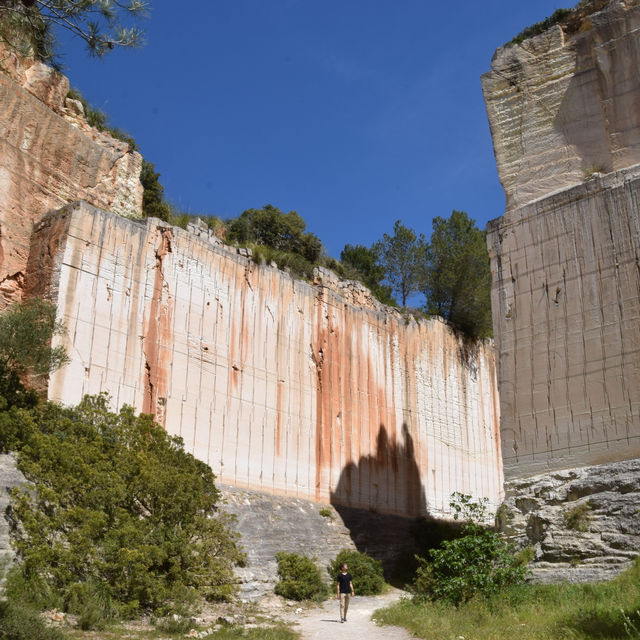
(566, 103)
(582, 523)
(566, 304)
(564, 110)
(50, 156)
(281, 386)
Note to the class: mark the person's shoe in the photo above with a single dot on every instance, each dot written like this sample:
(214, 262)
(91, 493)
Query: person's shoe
(341, 619)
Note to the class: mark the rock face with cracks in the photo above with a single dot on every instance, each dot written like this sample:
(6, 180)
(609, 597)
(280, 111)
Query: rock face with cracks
(582, 523)
(50, 156)
(564, 110)
(281, 386)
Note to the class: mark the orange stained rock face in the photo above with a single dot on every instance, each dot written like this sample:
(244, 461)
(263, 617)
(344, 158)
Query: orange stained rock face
(279, 385)
(50, 157)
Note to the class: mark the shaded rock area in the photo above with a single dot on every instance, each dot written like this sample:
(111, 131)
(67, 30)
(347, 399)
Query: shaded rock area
(269, 524)
(582, 523)
(10, 477)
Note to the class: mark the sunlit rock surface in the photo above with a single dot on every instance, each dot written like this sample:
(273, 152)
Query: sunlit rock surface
(566, 103)
(281, 386)
(582, 523)
(50, 156)
(564, 109)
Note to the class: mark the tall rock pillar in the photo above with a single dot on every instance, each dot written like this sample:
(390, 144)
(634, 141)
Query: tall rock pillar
(564, 110)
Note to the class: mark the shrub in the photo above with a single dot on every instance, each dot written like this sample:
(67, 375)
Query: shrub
(479, 562)
(22, 622)
(368, 579)
(326, 512)
(121, 516)
(299, 578)
(578, 518)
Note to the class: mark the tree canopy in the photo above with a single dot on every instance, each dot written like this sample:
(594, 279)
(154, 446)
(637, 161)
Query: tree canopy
(118, 507)
(401, 256)
(361, 263)
(281, 231)
(456, 280)
(26, 25)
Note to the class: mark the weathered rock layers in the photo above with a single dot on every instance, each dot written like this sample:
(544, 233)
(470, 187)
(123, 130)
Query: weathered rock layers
(582, 523)
(566, 283)
(564, 109)
(566, 103)
(281, 386)
(50, 156)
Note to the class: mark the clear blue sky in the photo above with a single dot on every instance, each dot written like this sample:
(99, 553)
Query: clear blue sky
(354, 113)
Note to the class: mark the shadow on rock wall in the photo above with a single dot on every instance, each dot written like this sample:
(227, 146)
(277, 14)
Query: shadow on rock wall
(382, 502)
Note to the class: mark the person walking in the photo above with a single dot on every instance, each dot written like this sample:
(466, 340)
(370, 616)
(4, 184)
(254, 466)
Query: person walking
(344, 588)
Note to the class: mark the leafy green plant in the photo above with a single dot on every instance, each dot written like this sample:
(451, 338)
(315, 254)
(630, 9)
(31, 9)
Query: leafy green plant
(326, 512)
(479, 562)
(368, 578)
(299, 578)
(20, 621)
(456, 280)
(117, 503)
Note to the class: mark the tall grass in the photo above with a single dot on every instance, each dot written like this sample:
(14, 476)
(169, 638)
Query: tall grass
(530, 612)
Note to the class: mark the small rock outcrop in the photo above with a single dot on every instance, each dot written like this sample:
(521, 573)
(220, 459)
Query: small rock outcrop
(582, 523)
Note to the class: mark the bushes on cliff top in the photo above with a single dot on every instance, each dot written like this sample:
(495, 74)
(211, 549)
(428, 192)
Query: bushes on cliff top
(118, 504)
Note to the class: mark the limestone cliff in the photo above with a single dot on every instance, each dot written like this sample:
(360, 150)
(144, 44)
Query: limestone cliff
(281, 386)
(566, 103)
(564, 258)
(564, 109)
(50, 156)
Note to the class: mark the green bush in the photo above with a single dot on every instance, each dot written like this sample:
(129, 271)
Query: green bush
(299, 578)
(479, 562)
(579, 517)
(22, 622)
(368, 579)
(121, 518)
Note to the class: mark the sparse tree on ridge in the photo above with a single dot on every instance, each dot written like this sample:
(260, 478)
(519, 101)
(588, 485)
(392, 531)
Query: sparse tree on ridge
(457, 280)
(363, 262)
(26, 25)
(401, 257)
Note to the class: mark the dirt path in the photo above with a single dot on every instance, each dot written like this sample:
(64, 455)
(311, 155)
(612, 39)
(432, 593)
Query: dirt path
(323, 623)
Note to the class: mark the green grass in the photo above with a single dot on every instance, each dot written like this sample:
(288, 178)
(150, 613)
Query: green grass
(232, 633)
(530, 612)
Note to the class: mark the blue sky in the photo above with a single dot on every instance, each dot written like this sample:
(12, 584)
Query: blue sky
(353, 113)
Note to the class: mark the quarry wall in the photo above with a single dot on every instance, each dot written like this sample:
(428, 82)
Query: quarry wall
(50, 156)
(309, 391)
(564, 109)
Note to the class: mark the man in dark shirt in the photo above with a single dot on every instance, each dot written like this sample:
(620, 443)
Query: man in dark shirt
(344, 591)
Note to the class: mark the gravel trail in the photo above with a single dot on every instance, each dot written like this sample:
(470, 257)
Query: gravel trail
(323, 623)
